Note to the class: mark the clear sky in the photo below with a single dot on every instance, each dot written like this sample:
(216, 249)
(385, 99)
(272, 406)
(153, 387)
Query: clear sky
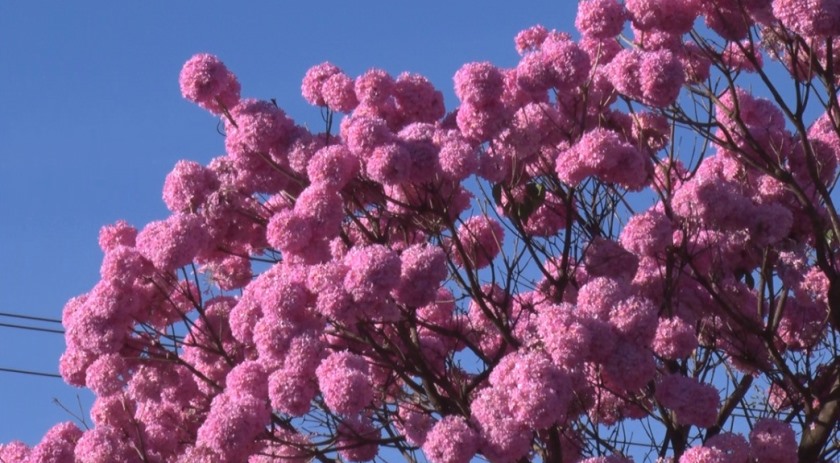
(91, 121)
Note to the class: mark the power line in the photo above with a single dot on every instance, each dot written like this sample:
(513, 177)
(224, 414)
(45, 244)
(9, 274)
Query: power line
(31, 328)
(29, 372)
(30, 317)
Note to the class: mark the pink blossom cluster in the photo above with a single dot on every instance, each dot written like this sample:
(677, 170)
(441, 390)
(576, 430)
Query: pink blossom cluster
(207, 82)
(347, 279)
(603, 154)
(692, 402)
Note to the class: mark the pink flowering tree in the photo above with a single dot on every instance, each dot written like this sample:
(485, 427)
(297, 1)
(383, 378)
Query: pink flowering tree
(624, 247)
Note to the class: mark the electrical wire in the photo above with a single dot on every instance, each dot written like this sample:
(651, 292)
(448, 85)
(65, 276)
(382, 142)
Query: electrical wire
(29, 372)
(29, 317)
(31, 328)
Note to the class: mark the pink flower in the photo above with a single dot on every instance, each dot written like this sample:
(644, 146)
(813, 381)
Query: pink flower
(357, 439)
(374, 86)
(118, 234)
(259, 127)
(104, 444)
(323, 207)
(248, 379)
(530, 39)
(73, 365)
(628, 368)
(538, 392)
(333, 166)
(230, 272)
(565, 338)
(534, 126)
(636, 318)
(647, 234)
(772, 441)
(568, 63)
(733, 446)
(413, 423)
(57, 445)
(703, 455)
(14, 452)
(107, 374)
(289, 232)
(533, 74)
(338, 93)
(727, 18)
(692, 402)
(661, 77)
(207, 82)
(479, 241)
(610, 459)
(389, 164)
(624, 74)
(605, 154)
(653, 77)
(458, 158)
(599, 295)
(187, 186)
(423, 268)
(451, 440)
(418, 139)
(373, 271)
(343, 379)
(600, 19)
(675, 339)
(232, 425)
(742, 56)
(291, 393)
(675, 16)
(502, 437)
(174, 242)
(124, 267)
(417, 99)
(478, 83)
(481, 123)
(313, 82)
(362, 134)
(327, 282)
(608, 259)
(696, 64)
(811, 18)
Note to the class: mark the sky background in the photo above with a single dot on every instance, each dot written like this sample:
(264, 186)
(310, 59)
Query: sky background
(92, 120)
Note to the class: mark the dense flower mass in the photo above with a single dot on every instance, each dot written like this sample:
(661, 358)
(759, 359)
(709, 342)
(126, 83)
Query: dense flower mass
(631, 231)
(206, 81)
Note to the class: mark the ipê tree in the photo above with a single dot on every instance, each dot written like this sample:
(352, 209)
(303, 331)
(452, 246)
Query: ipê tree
(625, 247)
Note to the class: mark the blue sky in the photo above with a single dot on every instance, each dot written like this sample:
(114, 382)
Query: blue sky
(92, 121)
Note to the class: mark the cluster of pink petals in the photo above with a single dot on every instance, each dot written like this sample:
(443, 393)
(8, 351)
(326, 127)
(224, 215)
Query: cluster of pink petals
(811, 18)
(773, 441)
(174, 242)
(331, 279)
(480, 239)
(692, 402)
(451, 440)
(663, 15)
(344, 383)
(653, 77)
(604, 154)
(600, 19)
(207, 82)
